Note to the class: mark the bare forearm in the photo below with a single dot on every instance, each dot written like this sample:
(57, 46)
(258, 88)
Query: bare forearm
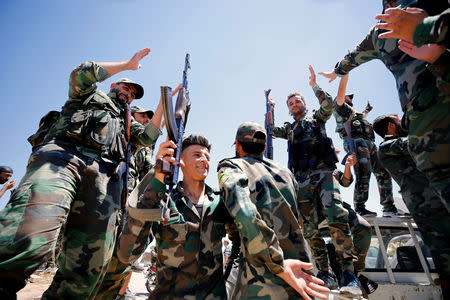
(157, 116)
(115, 67)
(341, 91)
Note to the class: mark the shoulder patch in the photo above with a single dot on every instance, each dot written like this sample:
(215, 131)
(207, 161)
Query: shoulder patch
(223, 176)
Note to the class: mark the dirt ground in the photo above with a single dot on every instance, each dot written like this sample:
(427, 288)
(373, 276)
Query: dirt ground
(37, 285)
(41, 281)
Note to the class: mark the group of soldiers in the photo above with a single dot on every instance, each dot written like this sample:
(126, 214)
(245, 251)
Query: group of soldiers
(73, 180)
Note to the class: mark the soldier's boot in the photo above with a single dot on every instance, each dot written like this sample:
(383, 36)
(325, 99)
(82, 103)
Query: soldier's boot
(364, 212)
(350, 286)
(369, 286)
(395, 212)
(329, 279)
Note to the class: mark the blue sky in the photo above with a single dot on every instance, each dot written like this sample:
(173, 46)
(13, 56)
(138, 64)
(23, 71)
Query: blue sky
(238, 49)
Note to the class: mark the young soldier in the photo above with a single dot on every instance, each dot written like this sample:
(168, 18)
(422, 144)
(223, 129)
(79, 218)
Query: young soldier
(366, 151)
(312, 159)
(70, 180)
(189, 251)
(429, 213)
(261, 196)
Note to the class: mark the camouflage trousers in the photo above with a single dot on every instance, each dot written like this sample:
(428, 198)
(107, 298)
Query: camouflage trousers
(114, 279)
(318, 199)
(366, 154)
(60, 186)
(425, 206)
(428, 123)
(361, 233)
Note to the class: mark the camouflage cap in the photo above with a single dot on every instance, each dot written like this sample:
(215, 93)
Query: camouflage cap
(138, 109)
(139, 88)
(251, 132)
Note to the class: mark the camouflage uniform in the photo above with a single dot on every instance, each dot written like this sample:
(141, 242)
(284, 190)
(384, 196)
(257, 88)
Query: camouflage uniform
(430, 215)
(140, 164)
(360, 228)
(434, 30)
(69, 180)
(319, 196)
(261, 196)
(426, 107)
(189, 262)
(366, 154)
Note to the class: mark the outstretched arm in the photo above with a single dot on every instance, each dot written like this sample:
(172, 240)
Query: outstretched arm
(131, 64)
(304, 283)
(83, 78)
(326, 101)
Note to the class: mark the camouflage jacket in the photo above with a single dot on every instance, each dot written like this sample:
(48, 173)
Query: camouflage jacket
(309, 146)
(92, 121)
(261, 196)
(411, 75)
(394, 151)
(140, 163)
(360, 127)
(189, 253)
(435, 29)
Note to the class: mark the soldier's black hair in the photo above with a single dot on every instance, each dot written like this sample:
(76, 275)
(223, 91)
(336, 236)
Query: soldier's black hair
(254, 148)
(6, 169)
(380, 124)
(196, 139)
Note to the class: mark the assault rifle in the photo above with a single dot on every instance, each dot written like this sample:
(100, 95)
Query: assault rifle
(269, 127)
(350, 140)
(175, 122)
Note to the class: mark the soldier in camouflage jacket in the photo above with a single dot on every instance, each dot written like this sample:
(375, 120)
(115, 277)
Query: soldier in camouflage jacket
(426, 107)
(429, 213)
(261, 196)
(69, 180)
(189, 259)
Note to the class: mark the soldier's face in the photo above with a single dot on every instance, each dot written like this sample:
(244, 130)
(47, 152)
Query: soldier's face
(125, 92)
(196, 162)
(399, 131)
(142, 118)
(4, 177)
(296, 105)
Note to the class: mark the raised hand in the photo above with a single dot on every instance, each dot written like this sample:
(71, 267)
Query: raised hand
(175, 91)
(133, 63)
(351, 160)
(312, 76)
(301, 281)
(400, 23)
(330, 75)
